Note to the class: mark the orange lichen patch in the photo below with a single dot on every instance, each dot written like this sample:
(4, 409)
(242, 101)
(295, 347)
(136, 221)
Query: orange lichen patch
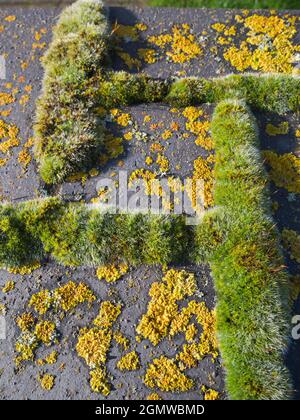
(200, 128)
(154, 396)
(9, 286)
(163, 163)
(26, 269)
(175, 126)
(24, 99)
(128, 136)
(8, 136)
(282, 128)
(148, 55)
(71, 295)
(3, 162)
(129, 361)
(226, 30)
(26, 345)
(149, 160)
(121, 340)
(112, 272)
(191, 332)
(146, 176)
(98, 381)
(66, 297)
(192, 113)
(124, 119)
(10, 18)
(207, 344)
(108, 314)
(291, 241)
(6, 99)
(93, 345)
(46, 381)
(167, 134)
(156, 147)
(41, 301)
(38, 45)
(163, 307)
(163, 373)
(210, 394)
(24, 158)
(5, 113)
(180, 46)
(285, 170)
(141, 26)
(25, 321)
(51, 359)
(45, 331)
(268, 46)
(203, 172)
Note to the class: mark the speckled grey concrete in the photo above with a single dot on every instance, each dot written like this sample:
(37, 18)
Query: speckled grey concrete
(17, 184)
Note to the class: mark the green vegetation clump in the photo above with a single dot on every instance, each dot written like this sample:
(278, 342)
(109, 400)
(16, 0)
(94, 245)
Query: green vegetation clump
(247, 264)
(268, 92)
(76, 234)
(238, 4)
(67, 129)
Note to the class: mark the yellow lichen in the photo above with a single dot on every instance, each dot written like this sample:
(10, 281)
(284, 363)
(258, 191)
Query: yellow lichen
(285, 170)
(210, 394)
(93, 345)
(163, 307)
(207, 344)
(46, 381)
(268, 46)
(180, 45)
(149, 160)
(71, 294)
(154, 396)
(25, 321)
(41, 301)
(129, 361)
(51, 359)
(10, 18)
(121, 340)
(45, 331)
(163, 373)
(107, 315)
(9, 286)
(26, 345)
(98, 381)
(112, 272)
(163, 163)
(123, 119)
(26, 269)
(148, 55)
(8, 136)
(203, 171)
